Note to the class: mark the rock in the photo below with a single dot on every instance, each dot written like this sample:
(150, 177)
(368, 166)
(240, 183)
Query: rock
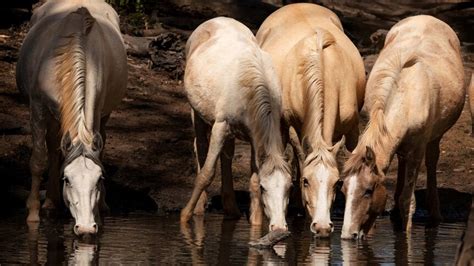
(167, 53)
(270, 239)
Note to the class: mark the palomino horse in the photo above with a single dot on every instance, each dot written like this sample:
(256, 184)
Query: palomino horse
(323, 78)
(234, 92)
(414, 94)
(471, 103)
(73, 68)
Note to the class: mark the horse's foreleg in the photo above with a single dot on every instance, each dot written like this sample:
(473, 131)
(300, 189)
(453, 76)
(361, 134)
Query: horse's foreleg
(432, 198)
(406, 201)
(102, 204)
(256, 212)
(229, 202)
(352, 136)
(299, 155)
(54, 155)
(201, 146)
(204, 178)
(401, 171)
(38, 160)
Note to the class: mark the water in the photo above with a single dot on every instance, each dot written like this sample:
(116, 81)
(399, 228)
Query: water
(143, 239)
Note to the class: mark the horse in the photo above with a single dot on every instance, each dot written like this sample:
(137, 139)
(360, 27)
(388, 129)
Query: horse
(323, 78)
(234, 92)
(415, 93)
(471, 102)
(73, 68)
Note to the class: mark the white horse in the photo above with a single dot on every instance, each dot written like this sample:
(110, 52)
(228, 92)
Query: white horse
(73, 68)
(234, 92)
(415, 93)
(322, 76)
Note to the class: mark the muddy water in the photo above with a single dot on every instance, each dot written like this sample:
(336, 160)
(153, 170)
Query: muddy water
(149, 239)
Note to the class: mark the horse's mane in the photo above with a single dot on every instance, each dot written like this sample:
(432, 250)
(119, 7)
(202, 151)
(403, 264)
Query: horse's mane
(376, 135)
(313, 82)
(265, 107)
(71, 75)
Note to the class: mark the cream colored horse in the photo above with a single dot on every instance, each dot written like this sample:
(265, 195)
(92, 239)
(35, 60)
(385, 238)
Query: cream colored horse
(414, 94)
(234, 92)
(323, 78)
(73, 68)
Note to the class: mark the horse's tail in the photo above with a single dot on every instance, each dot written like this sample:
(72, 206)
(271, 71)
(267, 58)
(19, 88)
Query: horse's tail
(71, 74)
(313, 80)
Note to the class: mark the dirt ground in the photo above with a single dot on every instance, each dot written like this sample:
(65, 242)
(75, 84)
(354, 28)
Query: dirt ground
(149, 137)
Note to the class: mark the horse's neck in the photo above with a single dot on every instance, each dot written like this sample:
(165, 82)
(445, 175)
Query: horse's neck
(384, 146)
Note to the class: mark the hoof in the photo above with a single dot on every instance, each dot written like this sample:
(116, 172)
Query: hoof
(235, 215)
(199, 212)
(33, 217)
(48, 205)
(434, 221)
(185, 216)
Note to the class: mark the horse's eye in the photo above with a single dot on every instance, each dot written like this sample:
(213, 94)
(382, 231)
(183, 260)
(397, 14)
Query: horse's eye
(305, 182)
(66, 181)
(262, 189)
(368, 193)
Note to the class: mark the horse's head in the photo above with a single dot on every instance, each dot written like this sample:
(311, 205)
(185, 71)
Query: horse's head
(365, 194)
(318, 183)
(275, 183)
(83, 186)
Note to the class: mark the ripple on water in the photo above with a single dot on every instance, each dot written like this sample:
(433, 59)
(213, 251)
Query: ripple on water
(149, 239)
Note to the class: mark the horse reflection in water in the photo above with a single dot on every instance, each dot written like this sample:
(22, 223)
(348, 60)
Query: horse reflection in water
(81, 254)
(84, 254)
(194, 236)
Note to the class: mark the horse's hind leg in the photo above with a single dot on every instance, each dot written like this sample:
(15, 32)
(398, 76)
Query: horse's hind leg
(201, 147)
(431, 161)
(256, 212)
(38, 160)
(54, 155)
(204, 178)
(229, 203)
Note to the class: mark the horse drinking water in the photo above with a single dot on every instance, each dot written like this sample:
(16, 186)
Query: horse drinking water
(323, 78)
(414, 94)
(73, 67)
(234, 92)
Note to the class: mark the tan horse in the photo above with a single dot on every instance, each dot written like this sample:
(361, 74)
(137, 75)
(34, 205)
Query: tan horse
(323, 78)
(234, 92)
(73, 68)
(471, 103)
(414, 94)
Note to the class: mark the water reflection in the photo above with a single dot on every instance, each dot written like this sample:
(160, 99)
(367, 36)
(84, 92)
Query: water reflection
(84, 254)
(149, 239)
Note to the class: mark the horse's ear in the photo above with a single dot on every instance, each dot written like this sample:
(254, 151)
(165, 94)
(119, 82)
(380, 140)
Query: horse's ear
(369, 156)
(370, 159)
(336, 147)
(66, 143)
(97, 143)
(307, 149)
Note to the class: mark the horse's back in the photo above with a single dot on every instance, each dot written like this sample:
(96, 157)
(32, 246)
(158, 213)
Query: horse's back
(282, 34)
(431, 75)
(51, 33)
(216, 54)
